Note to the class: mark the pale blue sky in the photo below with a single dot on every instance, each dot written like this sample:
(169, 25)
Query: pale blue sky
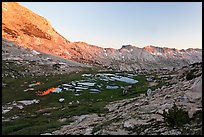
(113, 24)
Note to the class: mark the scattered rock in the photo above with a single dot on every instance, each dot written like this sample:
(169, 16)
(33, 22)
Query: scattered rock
(46, 134)
(172, 132)
(28, 89)
(149, 92)
(62, 120)
(61, 100)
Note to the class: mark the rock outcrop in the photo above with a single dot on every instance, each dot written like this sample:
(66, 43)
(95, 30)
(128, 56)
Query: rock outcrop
(142, 115)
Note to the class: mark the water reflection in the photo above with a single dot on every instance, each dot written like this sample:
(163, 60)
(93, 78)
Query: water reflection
(92, 83)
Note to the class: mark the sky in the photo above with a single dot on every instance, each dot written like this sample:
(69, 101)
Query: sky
(113, 24)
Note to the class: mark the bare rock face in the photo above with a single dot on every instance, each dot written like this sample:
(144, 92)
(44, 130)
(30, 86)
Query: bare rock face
(29, 30)
(195, 92)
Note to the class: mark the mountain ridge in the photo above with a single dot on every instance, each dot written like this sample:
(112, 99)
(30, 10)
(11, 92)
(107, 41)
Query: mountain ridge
(33, 31)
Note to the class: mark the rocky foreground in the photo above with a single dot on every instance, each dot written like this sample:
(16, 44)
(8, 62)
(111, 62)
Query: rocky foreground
(142, 115)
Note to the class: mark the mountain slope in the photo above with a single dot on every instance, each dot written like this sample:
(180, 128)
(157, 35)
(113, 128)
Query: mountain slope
(18, 62)
(30, 30)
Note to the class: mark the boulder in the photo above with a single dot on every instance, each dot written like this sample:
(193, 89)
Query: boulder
(195, 92)
(61, 100)
(149, 92)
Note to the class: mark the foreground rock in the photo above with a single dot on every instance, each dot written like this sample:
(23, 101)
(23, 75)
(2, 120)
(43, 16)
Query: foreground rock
(141, 115)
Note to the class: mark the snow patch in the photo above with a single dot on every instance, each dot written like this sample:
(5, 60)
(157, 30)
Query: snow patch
(35, 52)
(29, 102)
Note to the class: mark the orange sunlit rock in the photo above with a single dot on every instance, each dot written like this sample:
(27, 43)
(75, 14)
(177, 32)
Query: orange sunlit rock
(150, 49)
(48, 91)
(39, 83)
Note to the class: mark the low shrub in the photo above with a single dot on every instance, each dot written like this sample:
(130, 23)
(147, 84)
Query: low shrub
(192, 74)
(176, 116)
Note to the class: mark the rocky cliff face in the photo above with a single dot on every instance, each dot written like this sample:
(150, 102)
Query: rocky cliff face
(30, 30)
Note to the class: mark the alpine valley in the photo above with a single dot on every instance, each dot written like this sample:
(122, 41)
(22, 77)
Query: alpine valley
(52, 86)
